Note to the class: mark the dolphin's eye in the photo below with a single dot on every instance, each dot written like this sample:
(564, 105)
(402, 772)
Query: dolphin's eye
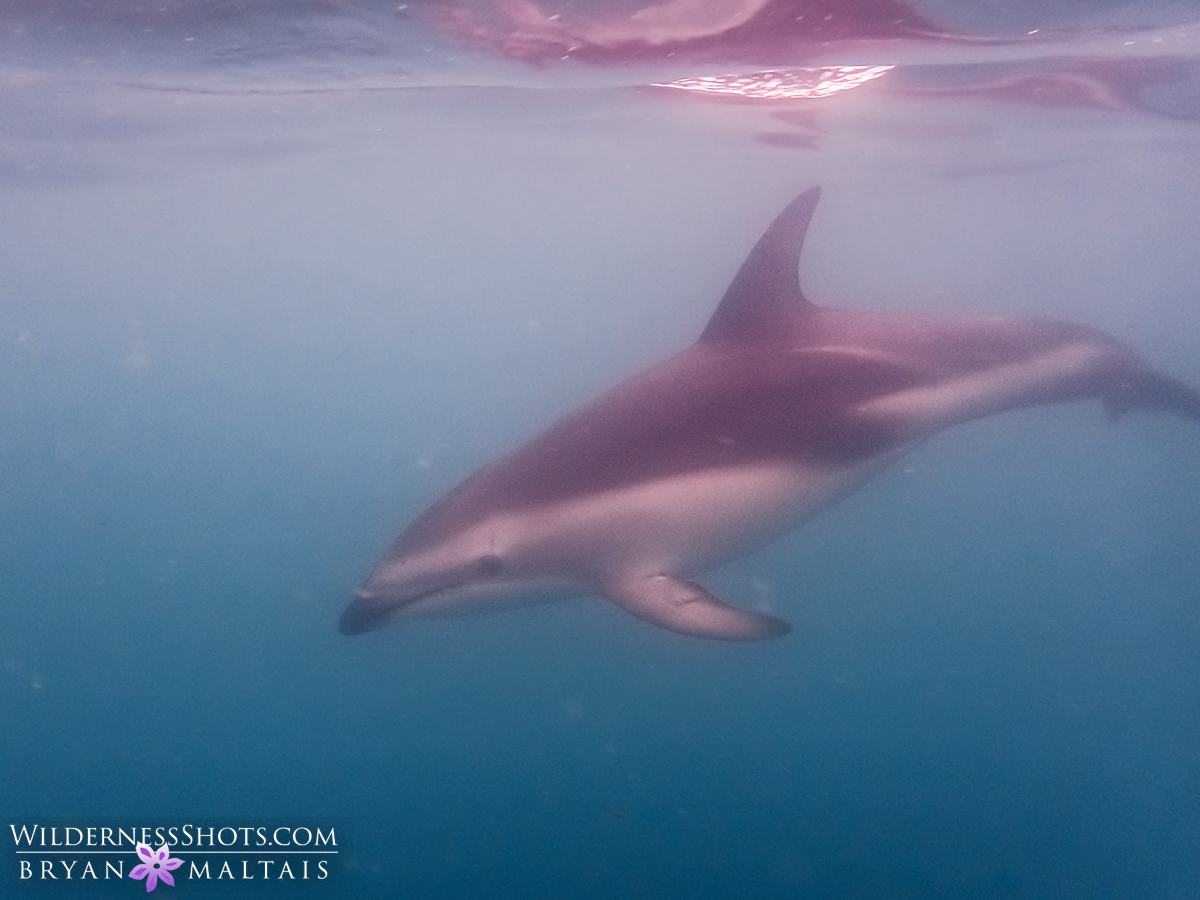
(488, 566)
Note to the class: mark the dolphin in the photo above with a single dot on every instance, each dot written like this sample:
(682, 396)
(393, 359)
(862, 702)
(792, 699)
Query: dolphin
(781, 408)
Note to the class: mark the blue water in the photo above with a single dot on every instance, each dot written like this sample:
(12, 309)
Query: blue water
(259, 307)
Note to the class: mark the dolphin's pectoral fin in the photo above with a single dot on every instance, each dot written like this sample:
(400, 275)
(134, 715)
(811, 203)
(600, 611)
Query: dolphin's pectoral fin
(682, 606)
(1144, 389)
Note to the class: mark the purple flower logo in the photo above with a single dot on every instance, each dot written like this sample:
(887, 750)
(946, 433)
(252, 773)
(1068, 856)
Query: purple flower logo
(155, 864)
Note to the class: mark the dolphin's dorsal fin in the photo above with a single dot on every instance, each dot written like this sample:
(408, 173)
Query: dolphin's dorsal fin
(765, 294)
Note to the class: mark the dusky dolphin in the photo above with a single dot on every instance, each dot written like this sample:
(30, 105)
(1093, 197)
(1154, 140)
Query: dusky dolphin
(780, 408)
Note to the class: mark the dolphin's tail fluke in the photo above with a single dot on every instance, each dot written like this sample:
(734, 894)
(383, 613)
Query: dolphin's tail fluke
(1147, 389)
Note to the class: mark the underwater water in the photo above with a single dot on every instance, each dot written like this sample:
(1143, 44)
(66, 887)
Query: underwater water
(272, 283)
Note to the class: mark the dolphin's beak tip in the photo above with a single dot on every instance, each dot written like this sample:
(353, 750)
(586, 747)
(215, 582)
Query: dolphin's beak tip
(358, 617)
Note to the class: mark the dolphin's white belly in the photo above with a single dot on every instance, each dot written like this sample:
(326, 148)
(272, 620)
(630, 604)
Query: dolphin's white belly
(684, 524)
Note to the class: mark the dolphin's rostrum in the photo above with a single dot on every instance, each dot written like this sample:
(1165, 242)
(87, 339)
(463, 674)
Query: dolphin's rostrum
(779, 409)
